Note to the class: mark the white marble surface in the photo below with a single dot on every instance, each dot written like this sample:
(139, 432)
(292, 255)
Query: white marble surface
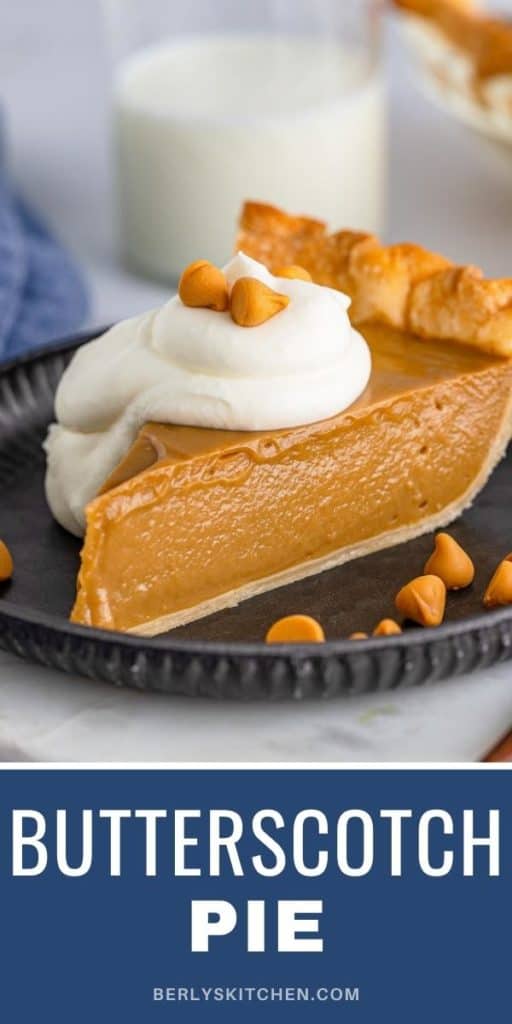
(45, 716)
(448, 189)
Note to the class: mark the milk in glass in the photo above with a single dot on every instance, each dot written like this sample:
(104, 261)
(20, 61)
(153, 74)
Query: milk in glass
(204, 122)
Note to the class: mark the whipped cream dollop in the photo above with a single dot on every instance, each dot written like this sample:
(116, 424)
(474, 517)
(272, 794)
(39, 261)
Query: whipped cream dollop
(199, 368)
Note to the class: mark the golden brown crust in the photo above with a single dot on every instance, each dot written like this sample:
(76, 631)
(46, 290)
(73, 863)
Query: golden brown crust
(488, 41)
(404, 285)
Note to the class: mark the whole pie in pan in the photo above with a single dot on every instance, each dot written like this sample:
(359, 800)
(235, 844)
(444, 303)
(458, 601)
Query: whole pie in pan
(193, 520)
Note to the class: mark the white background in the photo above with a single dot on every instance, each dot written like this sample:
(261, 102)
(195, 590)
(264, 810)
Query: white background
(448, 189)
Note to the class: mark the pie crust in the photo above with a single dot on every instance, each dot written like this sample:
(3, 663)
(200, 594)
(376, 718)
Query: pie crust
(401, 285)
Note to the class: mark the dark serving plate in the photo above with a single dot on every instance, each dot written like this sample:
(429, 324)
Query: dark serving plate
(223, 655)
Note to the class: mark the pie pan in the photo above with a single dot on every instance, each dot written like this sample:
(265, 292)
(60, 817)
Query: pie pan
(223, 656)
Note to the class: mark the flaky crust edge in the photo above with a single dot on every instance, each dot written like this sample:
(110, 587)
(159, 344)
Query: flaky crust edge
(402, 286)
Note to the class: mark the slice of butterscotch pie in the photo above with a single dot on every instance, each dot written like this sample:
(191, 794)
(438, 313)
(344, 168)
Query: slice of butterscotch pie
(248, 433)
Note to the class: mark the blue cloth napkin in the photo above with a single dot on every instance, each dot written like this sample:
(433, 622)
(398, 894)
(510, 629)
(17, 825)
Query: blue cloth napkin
(42, 294)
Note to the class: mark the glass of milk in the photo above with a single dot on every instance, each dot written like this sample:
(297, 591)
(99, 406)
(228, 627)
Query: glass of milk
(218, 101)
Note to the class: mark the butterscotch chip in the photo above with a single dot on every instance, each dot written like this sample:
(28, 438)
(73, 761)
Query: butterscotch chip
(423, 600)
(253, 303)
(358, 636)
(499, 591)
(451, 563)
(294, 272)
(202, 285)
(387, 627)
(296, 629)
(6, 563)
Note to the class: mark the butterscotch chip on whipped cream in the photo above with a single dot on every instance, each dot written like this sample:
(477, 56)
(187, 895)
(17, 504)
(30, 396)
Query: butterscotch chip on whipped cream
(253, 303)
(202, 285)
(296, 629)
(6, 563)
(451, 563)
(499, 591)
(423, 600)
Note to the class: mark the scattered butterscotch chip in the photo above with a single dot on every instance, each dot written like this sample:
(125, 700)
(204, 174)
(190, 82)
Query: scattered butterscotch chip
(423, 600)
(296, 629)
(252, 302)
(6, 563)
(358, 636)
(451, 563)
(294, 273)
(202, 285)
(387, 627)
(499, 591)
